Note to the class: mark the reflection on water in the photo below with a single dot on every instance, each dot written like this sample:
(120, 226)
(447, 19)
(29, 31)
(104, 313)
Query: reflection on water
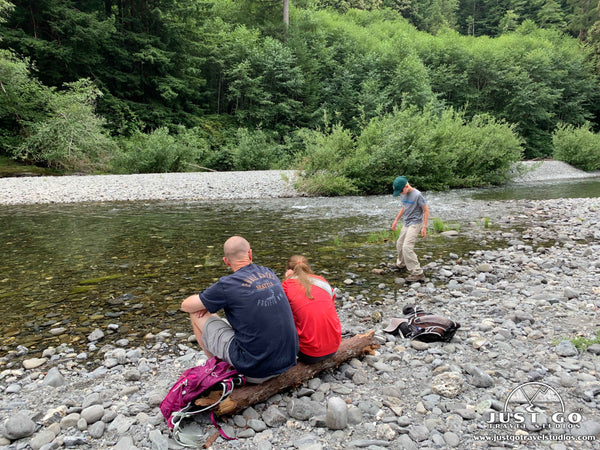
(68, 269)
(78, 267)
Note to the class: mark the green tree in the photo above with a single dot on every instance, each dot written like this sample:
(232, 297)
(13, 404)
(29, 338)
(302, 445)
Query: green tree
(72, 138)
(509, 22)
(551, 14)
(480, 17)
(132, 49)
(533, 78)
(23, 100)
(5, 8)
(440, 14)
(583, 16)
(265, 88)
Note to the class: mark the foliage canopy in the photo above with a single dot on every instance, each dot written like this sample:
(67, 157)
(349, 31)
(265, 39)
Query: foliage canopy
(447, 91)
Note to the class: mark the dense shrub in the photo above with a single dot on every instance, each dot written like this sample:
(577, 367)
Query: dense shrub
(72, 137)
(161, 151)
(435, 149)
(323, 163)
(578, 146)
(253, 150)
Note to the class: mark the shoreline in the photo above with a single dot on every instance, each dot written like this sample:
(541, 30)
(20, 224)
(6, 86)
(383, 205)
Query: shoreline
(200, 186)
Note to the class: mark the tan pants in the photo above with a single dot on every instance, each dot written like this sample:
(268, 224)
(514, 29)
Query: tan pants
(406, 248)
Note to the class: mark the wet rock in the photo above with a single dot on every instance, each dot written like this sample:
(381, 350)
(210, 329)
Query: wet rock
(93, 414)
(96, 430)
(13, 388)
(484, 267)
(42, 438)
(570, 293)
(69, 421)
(96, 335)
(478, 377)
(587, 428)
(273, 416)
(34, 363)
(594, 348)
(303, 408)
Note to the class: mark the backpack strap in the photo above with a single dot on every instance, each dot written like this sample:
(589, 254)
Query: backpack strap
(191, 439)
(218, 427)
(322, 284)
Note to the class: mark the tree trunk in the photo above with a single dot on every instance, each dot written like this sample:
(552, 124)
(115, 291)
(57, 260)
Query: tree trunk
(245, 396)
(286, 12)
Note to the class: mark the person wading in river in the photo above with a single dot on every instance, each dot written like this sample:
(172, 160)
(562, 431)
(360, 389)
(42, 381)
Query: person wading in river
(415, 214)
(259, 338)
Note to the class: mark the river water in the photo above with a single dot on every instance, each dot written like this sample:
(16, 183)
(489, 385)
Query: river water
(69, 269)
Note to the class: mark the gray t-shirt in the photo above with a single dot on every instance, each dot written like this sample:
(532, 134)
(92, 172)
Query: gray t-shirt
(413, 203)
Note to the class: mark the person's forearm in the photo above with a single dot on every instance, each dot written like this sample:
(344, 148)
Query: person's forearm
(398, 218)
(192, 304)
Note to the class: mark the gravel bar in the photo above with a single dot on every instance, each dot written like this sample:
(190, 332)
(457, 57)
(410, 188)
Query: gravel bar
(164, 186)
(191, 186)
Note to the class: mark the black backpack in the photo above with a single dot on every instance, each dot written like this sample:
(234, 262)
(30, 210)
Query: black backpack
(422, 326)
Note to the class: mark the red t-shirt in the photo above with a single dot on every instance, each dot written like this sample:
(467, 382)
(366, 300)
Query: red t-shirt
(317, 322)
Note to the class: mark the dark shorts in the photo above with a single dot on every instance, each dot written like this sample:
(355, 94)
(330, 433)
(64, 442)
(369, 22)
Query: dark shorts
(312, 359)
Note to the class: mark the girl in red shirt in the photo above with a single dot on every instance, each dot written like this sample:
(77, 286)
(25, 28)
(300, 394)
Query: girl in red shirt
(313, 307)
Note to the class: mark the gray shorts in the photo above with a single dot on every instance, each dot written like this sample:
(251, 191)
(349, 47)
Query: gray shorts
(217, 335)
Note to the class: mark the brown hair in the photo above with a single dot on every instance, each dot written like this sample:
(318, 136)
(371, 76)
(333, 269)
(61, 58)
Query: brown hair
(299, 264)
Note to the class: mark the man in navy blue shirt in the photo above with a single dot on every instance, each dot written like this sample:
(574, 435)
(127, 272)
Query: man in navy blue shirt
(259, 337)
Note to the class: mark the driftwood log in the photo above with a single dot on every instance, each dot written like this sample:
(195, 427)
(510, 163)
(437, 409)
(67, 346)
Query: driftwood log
(245, 396)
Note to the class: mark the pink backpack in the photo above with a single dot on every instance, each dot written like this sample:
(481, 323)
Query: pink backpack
(179, 402)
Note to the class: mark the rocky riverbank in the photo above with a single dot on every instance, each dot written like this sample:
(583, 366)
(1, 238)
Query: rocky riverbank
(187, 186)
(192, 186)
(520, 307)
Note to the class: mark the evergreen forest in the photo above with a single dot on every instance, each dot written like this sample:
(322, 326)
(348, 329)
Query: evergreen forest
(350, 92)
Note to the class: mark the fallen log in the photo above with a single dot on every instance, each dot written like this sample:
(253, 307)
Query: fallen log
(245, 396)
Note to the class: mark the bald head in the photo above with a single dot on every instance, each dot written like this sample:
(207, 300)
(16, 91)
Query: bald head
(237, 252)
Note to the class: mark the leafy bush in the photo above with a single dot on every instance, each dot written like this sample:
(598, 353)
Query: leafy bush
(486, 151)
(578, 146)
(23, 100)
(253, 150)
(435, 149)
(161, 151)
(322, 165)
(326, 184)
(326, 150)
(72, 138)
(405, 142)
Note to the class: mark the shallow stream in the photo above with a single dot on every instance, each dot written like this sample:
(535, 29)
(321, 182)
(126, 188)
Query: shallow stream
(69, 269)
